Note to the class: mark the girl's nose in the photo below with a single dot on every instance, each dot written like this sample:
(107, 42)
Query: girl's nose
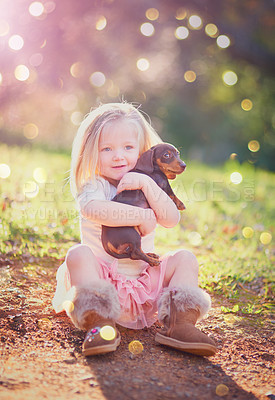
(118, 155)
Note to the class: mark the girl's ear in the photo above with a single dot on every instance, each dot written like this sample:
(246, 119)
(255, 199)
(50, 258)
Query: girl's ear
(145, 162)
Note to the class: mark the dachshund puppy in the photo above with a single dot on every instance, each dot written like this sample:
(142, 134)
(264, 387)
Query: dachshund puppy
(161, 162)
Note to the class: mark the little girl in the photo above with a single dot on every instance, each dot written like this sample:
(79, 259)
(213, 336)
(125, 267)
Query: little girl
(97, 290)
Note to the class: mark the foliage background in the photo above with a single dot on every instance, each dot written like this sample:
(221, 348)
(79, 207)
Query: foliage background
(70, 41)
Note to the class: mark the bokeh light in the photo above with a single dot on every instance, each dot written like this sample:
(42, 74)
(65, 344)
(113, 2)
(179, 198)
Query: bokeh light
(97, 79)
(49, 6)
(152, 14)
(222, 390)
(190, 76)
(211, 30)
(31, 189)
(223, 41)
(230, 78)
(246, 104)
(16, 42)
(181, 32)
(248, 232)
(113, 90)
(233, 156)
(265, 238)
(5, 171)
(30, 131)
(254, 146)
(195, 22)
(68, 306)
(195, 238)
(101, 23)
(76, 118)
(44, 324)
(40, 175)
(36, 9)
(181, 13)
(143, 64)
(107, 332)
(43, 44)
(21, 72)
(236, 178)
(147, 29)
(36, 59)
(69, 102)
(76, 69)
(4, 28)
(135, 347)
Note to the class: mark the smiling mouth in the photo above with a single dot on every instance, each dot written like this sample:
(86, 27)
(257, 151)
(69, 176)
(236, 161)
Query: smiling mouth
(119, 166)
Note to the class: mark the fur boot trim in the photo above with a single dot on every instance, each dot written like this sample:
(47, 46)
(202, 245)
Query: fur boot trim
(100, 297)
(185, 298)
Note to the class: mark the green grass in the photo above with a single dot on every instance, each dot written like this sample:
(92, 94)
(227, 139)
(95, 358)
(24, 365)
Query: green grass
(212, 225)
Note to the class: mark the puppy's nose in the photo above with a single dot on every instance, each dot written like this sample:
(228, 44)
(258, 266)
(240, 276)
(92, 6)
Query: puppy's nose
(183, 165)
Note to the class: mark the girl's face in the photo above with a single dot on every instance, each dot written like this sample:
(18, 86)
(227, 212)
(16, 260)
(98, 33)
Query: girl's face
(118, 150)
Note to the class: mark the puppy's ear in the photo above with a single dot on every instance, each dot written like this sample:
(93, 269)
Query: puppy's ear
(145, 162)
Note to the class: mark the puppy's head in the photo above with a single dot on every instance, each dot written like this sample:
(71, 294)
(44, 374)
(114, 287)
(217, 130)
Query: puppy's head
(163, 156)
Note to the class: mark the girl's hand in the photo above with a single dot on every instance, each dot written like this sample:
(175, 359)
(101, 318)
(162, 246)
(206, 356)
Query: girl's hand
(132, 181)
(149, 222)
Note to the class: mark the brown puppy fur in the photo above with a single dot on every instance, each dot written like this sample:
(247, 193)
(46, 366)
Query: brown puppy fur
(161, 162)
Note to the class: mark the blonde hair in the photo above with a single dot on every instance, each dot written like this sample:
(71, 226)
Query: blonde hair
(84, 162)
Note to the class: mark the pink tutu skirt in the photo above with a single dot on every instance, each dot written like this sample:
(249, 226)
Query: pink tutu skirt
(137, 297)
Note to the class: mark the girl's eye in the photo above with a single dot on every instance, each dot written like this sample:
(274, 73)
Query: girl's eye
(128, 147)
(106, 149)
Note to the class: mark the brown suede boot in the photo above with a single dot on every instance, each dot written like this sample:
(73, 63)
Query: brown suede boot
(102, 336)
(95, 309)
(179, 329)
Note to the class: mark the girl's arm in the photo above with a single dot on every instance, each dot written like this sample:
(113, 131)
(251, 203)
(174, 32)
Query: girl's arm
(164, 208)
(110, 213)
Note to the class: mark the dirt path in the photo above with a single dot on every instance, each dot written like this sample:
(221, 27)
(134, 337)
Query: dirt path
(41, 352)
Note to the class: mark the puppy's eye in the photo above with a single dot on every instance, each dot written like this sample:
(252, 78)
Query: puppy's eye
(166, 155)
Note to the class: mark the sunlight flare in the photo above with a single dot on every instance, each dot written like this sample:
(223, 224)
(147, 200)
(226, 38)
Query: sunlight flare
(182, 32)
(246, 104)
(254, 146)
(195, 22)
(101, 23)
(40, 175)
(21, 73)
(68, 306)
(195, 238)
(222, 390)
(265, 238)
(143, 64)
(223, 41)
(36, 9)
(31, 189)
(107, 332)
(248, 232)
(135, 347)
(97, 79)
(16, 42)
(211, 30)
(230, 78)
(76, 118)
(5, 171)
(147, 29)
(181, 13)
(30, 131)
(236, 178)
(190, 76)
(4, 27)
(152, 14)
